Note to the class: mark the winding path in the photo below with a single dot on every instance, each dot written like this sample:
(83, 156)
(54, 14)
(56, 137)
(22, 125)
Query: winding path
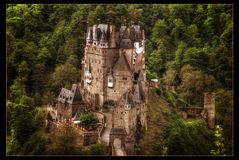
(106, 134)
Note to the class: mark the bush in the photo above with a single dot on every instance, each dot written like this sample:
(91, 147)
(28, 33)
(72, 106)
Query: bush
(98, 149)
(158, 91)
(171, 98)
(88, 120)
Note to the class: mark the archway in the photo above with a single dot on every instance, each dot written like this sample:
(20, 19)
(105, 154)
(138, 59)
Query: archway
(117, 143)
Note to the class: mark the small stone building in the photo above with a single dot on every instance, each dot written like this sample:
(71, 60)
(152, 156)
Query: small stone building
(69, 103)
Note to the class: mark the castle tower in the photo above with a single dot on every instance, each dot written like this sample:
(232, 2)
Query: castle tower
(103, 41)
(89, 38)
(111, 60)
(95, 36)
(209, 106)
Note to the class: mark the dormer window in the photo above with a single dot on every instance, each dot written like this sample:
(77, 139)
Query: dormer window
(88, 77)
(110, 82)
(127, 107)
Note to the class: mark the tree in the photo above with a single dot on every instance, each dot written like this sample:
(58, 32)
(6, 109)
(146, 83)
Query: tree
(192, 85)
(65, 141)
(21, 126)
(98, 149)
(218, 142)
(169, 77)
(188, 137)
(64, 76)
(88, 120)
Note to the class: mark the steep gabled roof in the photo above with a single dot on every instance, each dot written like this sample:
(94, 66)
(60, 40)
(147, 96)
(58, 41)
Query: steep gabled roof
(89, 33)
(122, 65)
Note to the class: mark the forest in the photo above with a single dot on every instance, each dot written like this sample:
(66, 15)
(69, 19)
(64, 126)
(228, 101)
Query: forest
(187, 45)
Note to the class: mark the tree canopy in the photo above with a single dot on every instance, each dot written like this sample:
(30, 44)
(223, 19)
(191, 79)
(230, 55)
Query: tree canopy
(187, 45)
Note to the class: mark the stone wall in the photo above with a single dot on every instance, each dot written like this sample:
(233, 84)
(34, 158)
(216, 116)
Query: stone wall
(209, 106)
(120, 135)
(144, 115)
(128, 118)
(123, 82)
(90, 138)
(101, 61)
(67, 111)
(191, 112)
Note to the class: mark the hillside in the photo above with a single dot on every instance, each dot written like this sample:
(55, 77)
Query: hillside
(159, 108)
(188, 46)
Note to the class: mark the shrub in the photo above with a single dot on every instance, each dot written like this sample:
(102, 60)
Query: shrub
(88, 120)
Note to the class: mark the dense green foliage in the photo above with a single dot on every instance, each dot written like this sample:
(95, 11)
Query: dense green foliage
(189, 46)
(88, 120)
(219, 142)
(181, 134)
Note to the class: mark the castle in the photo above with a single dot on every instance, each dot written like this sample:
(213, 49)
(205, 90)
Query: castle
(113, 75)
(114, 87)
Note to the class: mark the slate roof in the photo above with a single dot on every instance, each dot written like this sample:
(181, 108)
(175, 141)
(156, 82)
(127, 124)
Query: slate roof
(117, 131)
(122, 64)
(137, 33)
(89, 33)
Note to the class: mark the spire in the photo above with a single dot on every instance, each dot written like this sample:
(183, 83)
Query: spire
(89, 34)
(103, 37)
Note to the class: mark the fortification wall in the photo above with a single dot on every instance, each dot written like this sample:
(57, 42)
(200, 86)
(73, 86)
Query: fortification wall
(209, 106)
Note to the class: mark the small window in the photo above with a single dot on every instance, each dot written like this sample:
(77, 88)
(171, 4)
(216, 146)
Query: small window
(124, 78)
(103, 44)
